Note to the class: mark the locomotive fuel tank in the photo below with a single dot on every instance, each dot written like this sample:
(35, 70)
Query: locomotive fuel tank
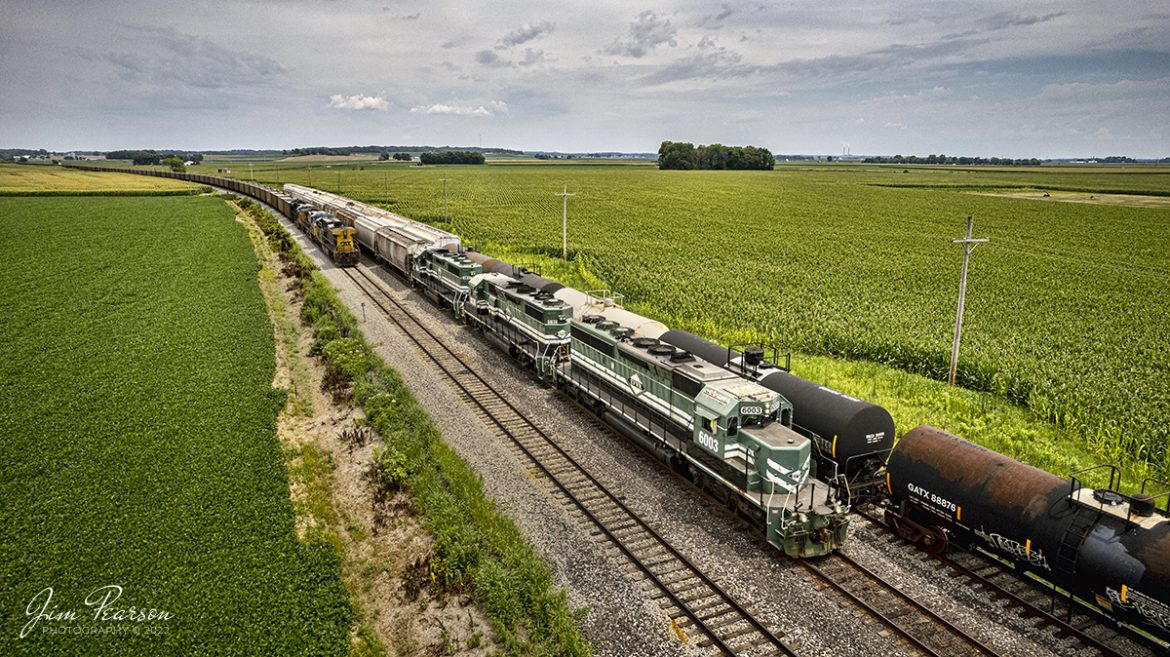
(1110, 550)
(854, 435)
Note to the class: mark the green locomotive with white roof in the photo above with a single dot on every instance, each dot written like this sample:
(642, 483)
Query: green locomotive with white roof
(730, 436)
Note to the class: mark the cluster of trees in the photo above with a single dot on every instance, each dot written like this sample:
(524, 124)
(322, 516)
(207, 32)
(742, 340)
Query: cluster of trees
(951, 159)
(684, 155)
(452, 157)
(401, 157)
(352, 150)
(319, 150)
(142, 158)
(14, 154)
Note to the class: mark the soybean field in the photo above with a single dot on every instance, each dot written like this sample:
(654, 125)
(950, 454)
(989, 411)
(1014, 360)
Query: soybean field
(140, 447)
(1066, 312)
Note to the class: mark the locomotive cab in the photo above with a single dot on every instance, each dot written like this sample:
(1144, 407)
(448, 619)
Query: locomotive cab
(748, 428)
(344, 247)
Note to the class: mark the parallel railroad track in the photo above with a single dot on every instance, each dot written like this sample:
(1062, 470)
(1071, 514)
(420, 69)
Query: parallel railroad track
(696, 604)
(924, 630)
(1070, 624)
(1078, 630)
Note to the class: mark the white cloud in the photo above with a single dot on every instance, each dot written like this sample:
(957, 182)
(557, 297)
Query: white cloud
(525, 33)
(461, 110)
(358, 102)
(646, 32)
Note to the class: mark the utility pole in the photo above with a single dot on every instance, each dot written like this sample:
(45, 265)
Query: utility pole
(969, 245)
(564, 194)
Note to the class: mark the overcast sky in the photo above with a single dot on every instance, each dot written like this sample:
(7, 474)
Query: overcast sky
(979, 77)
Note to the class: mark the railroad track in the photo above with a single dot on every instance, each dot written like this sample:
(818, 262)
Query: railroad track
(1078, 631)
(695, 603)
(923, 629)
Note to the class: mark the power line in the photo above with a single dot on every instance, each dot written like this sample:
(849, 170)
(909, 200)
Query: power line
(969, 245)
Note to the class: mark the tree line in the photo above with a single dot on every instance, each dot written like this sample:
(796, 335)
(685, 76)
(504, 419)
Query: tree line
(355, 150)
(147, 157)
(951, 159)
(684, 155)
(452, 157)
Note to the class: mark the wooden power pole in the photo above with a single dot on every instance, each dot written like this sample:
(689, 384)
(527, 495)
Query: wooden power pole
(969, 245)
(564, 194)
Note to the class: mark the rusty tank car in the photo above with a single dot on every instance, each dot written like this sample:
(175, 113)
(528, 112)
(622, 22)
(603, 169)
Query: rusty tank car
(1109, 550)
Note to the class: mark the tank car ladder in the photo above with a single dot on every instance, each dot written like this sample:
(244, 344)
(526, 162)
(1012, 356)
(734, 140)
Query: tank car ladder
(1078, 530)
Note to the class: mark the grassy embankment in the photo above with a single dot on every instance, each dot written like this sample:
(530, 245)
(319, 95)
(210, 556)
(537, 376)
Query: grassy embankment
(139, 444)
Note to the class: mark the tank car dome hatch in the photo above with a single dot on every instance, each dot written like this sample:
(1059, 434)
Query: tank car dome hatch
(1108, 497)
(753, 355)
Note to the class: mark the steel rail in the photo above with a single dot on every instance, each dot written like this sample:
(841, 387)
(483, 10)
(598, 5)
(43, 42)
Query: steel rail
(1028, 608)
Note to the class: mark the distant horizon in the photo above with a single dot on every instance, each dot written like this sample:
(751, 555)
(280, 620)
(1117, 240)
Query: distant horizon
(987, 78)
(419, 147)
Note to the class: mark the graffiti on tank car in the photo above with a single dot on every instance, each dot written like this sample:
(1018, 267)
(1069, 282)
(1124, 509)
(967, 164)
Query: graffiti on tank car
(1150, 609)
(708, 441)
(1015, 549)
(936, 500)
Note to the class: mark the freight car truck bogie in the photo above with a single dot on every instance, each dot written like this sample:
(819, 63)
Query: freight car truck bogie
(931, 538)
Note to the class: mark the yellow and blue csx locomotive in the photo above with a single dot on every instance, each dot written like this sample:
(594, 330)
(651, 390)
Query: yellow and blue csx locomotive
(334, 237)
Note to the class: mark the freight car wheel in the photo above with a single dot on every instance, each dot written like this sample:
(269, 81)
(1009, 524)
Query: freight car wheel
(934, 540)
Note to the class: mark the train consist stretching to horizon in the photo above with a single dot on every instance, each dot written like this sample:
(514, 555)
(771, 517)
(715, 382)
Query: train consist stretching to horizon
(790, 456)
